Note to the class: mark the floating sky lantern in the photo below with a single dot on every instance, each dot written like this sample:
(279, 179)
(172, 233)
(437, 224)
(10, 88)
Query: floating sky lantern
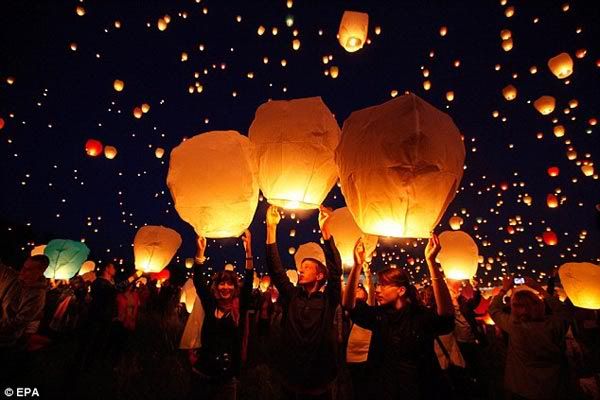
(188, 295)
(346, 233)
(295, 142)
(581, 282)
(559, 131)
(110, 152)
(400, 164)
(553, 171)
(189, 263)
(545, 104)
(455, 222)
(505, 34)
(292, 274)
(587, 169)
(154, 247)
(353, 30)
(509, 92)
(459, 255)
(159, 152)
(561, 65)
(118, 85)
(552, 201)
(309, 250)
(507, 44)
(38, 250)
(137, 112)
(1, 123)
(334, 71)
(93, 147)
(213, 179)
(66, 258)
(550, 238)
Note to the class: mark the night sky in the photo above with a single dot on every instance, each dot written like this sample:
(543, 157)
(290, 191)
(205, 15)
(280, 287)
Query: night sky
(60, 97)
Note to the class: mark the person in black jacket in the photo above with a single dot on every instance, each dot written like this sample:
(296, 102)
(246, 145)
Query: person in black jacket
(401, 362)
(217, 365)
(309, 363)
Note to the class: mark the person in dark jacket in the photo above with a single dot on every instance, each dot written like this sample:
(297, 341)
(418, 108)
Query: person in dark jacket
(217, 365)
(309, 361)
(402, 363)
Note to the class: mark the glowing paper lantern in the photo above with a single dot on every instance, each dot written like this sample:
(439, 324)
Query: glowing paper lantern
(353, 30)
(160, 276)
(587, 169)
(561, 65)
(162, 24)
(189, 263)
(1, 123)
(293, 276)
(66, 258)
(443, 31)
(159, 152)
(93, 147)
(545, 104)
(137, 112)
(552, 201)
(38, 250)
(118, 85)
(334, 71)
(309, 250)
(110, 152)
(154, 247)
(581, 281)
(553, 171)
(455, 222)
(505, 34)
(507, 44)
(559, 131)
(145, 108)
(550, 238)
(345, 233)
(295, 143)
(450, 96)
(400, 164)
(188, 295)
(509, 92)
(458, 255)
(213, 181)
(87, 266)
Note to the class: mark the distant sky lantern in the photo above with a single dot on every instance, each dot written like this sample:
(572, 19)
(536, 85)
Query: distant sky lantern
(550, 238)
(38, 250)
(118, 85)
(93, 147)
(527, 199)
(1, 123)
(450, 95)
(295, 143)
(459, 255)
(334, 71)
(189, 263)
(400, 165)
(260, 30)
(581, 282)
(455, 222)
(552, 201)
(137, 112)
(443, 31)
(505, 34)
(561, 65)
(559, 131)
(553, 171)
(80, 11)
(587, 169)
(162, 24)
(545, 104)
(66, 257)
(346, 233)
(353, 30)
(110, 152)
(291, 251)
(86, 267)
(159, 152)
(154, 247)
(509, 12)
(509, 92)
(571, 154)
(296, 44)
(580, 53)
(145, 108)
(292, 275)
(427, 85)
(507, 44)
(378, 30)
(573, 103)
(213, 179)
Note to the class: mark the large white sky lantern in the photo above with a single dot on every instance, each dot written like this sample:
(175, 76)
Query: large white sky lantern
(154, 247)
(309, 250)
(459, 255)
(213, 178)
(400, 164)
(295, 143)
(581, 282)
(353, 30)
(346, 233)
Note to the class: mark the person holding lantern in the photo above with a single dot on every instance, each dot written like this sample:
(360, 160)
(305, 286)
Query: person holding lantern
(309, 362)
(401, 361)
(217, 365)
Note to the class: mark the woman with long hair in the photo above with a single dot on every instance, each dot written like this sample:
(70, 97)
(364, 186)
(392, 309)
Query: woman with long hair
(401, 361)
(217, 365)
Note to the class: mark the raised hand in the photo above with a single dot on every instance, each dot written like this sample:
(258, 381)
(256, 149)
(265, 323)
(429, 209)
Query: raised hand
(273, 216)
(432, 249)
(359, 252)
(324, 218)
(201, 248)
(247, 240)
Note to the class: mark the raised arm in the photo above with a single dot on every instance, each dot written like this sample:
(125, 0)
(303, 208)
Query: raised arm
(349, 297)
(440, 290)
(200, 283)
(246, 294)
(333, 259)
(496, 309)
(276, 270)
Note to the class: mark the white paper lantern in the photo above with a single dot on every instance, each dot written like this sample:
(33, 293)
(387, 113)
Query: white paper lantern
(345, 233)
(154, 247)
(581, 281)
(295, 142)
(459, 255)
(309, 250)
(213, 181)
(400, 164)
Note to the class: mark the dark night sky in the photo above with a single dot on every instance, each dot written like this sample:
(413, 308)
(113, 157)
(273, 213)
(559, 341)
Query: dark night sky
(60, 98)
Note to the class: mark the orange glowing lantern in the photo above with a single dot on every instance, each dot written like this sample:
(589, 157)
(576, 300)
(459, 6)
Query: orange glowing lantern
(561, 65)
(550, 238)
(552, 201)
(93, 147)
(110, 152)
(545, 104)
(353, 30)
(581, 282)
(509, 92)
(553, 171)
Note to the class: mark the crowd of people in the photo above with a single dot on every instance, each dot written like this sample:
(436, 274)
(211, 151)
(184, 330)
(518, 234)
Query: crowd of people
(319, 338)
